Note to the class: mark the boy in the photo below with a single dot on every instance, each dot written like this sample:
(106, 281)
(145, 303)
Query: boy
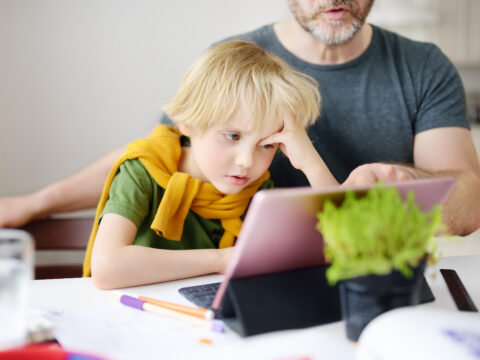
(188, 188)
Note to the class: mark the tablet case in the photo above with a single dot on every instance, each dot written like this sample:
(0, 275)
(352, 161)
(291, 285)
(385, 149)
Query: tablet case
(285, 300)
(279, 231)
(276, 279)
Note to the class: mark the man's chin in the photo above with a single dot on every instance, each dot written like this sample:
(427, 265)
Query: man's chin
(334, 32)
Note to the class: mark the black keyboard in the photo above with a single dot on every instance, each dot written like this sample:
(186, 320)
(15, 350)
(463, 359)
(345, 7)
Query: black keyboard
(201, 295)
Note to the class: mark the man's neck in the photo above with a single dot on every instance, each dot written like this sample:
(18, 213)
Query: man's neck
(303, 45)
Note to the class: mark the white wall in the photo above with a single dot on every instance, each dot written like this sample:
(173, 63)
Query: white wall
(80, 77)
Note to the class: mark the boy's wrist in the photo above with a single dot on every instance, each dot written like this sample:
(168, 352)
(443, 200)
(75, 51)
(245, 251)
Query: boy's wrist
(313, 165)
(318, 174)
(225, 256)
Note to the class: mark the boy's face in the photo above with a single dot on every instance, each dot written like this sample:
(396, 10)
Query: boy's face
(229, 155)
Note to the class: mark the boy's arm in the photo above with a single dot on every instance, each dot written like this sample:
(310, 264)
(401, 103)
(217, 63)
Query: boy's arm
(79, 191)
(116, 263)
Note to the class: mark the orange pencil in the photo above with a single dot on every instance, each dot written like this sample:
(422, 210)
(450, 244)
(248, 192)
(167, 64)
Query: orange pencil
(194, 311)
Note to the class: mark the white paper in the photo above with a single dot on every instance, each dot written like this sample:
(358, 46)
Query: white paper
(419, 333)
(118, 332)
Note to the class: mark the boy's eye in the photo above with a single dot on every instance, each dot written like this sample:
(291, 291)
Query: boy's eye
(232, 136)
(268, 146)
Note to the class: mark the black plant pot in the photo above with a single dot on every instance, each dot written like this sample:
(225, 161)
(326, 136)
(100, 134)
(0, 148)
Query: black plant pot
(363, 298)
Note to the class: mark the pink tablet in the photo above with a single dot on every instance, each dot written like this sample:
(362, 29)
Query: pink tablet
(279, 232)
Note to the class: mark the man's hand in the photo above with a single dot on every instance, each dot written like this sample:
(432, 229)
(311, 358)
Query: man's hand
(16, 211)
(464, 196)
(371, 173)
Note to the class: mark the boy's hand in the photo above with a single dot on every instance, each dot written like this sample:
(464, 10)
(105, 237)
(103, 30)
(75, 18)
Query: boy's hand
(294, 142)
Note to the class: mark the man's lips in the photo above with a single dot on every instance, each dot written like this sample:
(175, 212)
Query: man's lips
(335, 13)
(237, 179)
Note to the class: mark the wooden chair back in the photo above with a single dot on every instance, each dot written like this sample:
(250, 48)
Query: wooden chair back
(59, 234)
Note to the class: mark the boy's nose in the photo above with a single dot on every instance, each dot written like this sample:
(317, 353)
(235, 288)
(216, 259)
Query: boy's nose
(244, 158)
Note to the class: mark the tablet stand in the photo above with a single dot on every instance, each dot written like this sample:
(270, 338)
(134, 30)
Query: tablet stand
(285, 300)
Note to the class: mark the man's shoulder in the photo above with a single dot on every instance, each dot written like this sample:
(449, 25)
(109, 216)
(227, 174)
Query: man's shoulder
(408, 48)
(261, 36)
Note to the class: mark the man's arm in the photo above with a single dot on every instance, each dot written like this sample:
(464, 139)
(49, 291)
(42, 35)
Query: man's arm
(450, 151)
(447, 151)
(79, 191)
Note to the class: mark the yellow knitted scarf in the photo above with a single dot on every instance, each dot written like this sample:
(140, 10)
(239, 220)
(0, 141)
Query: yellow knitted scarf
(160, 154)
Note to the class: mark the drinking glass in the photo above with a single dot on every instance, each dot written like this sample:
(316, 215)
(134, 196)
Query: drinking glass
(16, 272)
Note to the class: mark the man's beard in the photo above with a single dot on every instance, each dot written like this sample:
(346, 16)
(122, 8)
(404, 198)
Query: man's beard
(331, 32)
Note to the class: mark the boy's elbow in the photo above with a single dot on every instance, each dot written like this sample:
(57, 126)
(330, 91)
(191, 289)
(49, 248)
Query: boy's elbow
(102, 282)
(104, 274)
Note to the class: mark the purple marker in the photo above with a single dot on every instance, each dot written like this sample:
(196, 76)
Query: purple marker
(145, 306)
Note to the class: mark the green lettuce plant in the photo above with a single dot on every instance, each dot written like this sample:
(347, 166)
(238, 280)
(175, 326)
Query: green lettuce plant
(377, 233)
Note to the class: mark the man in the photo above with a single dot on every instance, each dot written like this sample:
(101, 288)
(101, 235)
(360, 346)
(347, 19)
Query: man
(393, 109)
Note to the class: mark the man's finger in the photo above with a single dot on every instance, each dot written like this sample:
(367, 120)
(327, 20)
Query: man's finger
(364, 177)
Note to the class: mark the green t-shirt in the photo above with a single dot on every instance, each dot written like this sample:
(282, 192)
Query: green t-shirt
(134, 194)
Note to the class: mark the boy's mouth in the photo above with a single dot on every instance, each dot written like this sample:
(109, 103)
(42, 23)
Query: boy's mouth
(237, 179)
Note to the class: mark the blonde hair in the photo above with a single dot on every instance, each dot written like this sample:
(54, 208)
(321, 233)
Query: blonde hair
(240, 73)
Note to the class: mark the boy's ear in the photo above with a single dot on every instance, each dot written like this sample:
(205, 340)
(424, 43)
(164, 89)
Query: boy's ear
(184, 129)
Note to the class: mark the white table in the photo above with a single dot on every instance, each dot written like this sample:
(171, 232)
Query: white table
(89, 319)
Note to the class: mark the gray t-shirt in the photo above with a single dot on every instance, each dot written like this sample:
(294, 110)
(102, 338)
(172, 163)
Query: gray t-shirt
(373, 106)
